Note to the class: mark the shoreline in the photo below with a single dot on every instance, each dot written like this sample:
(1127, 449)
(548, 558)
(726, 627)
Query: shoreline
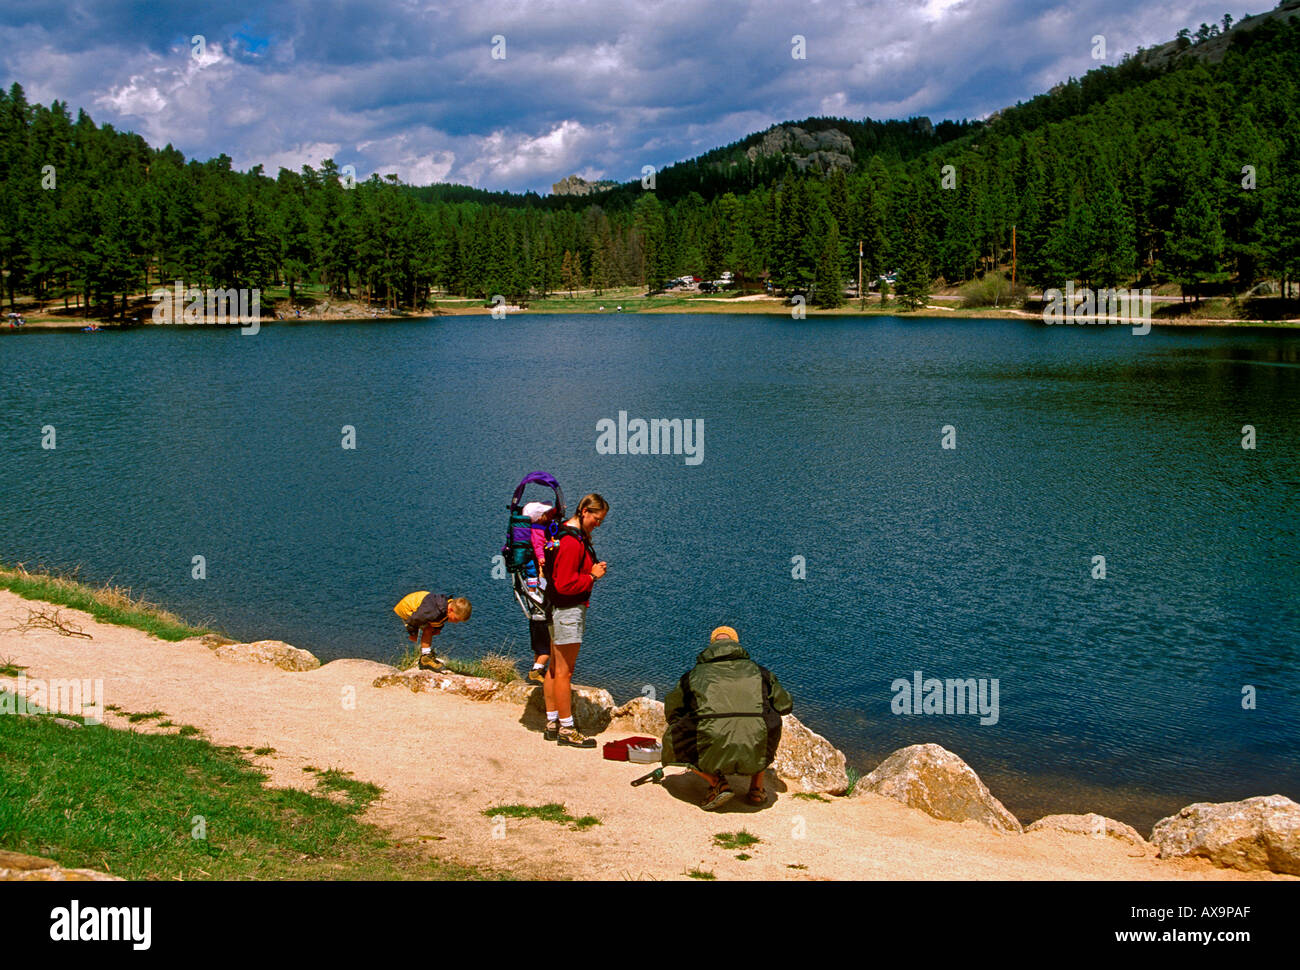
(486, 754)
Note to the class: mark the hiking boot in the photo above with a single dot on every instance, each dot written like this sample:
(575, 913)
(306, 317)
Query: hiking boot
(429, 661)
(537, 675)
(552, 730)
(574, 738)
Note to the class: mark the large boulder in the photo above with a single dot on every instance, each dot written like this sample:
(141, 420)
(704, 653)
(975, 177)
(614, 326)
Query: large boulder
(593, 707)
(277, 653)
(1091, 824)
(807, 762)
(16, 867)
(439, 682)
(642, 716)
(1261, 833)
(933, 779)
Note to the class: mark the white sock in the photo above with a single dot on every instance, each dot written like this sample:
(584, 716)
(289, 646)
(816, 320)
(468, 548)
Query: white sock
(566, 721)
(426, 650)
(552, 715)
(537, 666)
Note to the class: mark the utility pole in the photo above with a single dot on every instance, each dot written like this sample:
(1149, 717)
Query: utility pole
(1013, 256)
(862, 297)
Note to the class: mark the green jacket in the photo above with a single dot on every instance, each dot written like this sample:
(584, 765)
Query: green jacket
(724, 715)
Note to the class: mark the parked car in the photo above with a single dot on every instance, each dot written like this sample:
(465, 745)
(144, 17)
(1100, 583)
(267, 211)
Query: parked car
(708, 287)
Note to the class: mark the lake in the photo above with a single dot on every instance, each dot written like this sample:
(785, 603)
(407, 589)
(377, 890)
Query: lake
(824, 518)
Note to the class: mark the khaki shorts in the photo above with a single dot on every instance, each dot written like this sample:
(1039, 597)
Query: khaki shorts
(568, 623)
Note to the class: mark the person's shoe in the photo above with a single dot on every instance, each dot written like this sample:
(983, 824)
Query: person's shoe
(552, 730)
(537, 675)
(429, 661)
(574, 738)
(719, 794)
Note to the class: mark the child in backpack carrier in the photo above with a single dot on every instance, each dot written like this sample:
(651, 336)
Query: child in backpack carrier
(541, 515)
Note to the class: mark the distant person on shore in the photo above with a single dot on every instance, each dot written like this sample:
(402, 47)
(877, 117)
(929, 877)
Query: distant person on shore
(571, 578)
(424, 614)
(724, 718)
(540, 514)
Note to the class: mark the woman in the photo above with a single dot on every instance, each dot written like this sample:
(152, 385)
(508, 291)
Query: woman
(573, 574)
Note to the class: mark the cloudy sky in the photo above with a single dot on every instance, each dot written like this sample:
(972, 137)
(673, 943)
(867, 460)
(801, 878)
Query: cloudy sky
(593, 87)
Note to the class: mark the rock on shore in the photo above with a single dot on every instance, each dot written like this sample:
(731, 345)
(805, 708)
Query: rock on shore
(1261, 833)
(933, 779)
(1091, 824)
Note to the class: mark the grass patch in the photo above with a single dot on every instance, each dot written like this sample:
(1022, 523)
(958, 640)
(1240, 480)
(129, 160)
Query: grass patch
(491, 666)
(130, 804)
(8, 668)
(147, 716)
(744, 857)
(811, 796)
(795, 865)
(264, 751)
(107, 603)
(735, 840)
(359, 793)
(700, 874)
(188, 731)
(550, 812)
(854, 775)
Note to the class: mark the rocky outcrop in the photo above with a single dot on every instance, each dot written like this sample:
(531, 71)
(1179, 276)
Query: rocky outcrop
(807, 762)
(823, 150)
(576, 185)
(16, 867)
(437, 682)
(593, 707)
(641, 715)
(277, 653)
(1091, 824)
(1261, 833)
(933, 779)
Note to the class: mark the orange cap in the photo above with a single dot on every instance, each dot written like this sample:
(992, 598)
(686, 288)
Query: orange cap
(724, 633)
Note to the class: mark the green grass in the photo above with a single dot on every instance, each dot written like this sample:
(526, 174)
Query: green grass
(854, 775)
(264, 751)
(744, 857)
(126, 803)
(188, 731)
(146, 716)
(735, 840)
(108, 604)
(492, 665)
(8, 668)
(550, 812)
(700, 874)
(359, 793)
(811, 796)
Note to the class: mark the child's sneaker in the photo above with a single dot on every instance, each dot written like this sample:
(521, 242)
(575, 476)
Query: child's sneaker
(552, 730)
(537, 675)
(574, 738)
(429, 661)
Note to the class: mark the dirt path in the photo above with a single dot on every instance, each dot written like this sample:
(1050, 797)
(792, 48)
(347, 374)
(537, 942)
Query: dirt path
(443, 760)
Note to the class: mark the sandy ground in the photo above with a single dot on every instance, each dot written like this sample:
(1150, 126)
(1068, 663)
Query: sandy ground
(443, 760)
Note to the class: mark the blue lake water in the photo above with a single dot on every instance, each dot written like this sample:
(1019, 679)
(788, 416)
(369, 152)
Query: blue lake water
(822, 440)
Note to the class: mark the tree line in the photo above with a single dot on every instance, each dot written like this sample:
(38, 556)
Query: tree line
(1130, 175)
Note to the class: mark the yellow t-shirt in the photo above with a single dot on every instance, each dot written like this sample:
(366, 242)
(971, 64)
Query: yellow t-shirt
(410, 604)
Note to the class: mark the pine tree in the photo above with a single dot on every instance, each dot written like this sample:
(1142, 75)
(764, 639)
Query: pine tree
(913, 285)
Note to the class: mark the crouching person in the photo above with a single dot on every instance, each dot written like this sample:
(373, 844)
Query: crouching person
(724, 718)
